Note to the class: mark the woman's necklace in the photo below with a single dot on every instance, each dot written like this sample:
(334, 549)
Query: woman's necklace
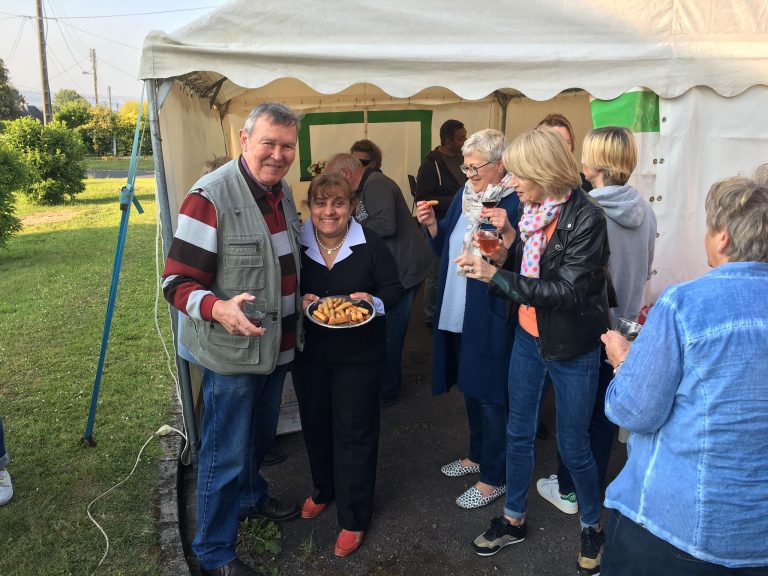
(326, 248)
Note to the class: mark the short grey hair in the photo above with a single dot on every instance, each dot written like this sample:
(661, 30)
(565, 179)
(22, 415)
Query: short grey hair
(739, 205)
(278, 113)
(489, 143)
(338, 162)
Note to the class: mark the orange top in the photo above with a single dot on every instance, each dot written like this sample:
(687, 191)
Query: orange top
(526, 315)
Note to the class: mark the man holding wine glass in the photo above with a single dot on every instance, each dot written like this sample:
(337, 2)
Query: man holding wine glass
(236, 242)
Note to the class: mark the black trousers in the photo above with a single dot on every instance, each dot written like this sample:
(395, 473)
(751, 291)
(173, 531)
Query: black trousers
(339, 408)
(630, 550)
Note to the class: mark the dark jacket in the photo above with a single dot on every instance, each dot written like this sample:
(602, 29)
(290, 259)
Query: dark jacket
(436, 182)
(481, 365)
(572, 295)
(382, 209)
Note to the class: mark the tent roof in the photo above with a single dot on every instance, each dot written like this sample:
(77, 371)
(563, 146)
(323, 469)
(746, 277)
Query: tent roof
(537, 48)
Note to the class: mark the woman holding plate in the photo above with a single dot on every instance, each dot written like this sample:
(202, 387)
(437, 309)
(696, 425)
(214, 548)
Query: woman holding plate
(337, 375)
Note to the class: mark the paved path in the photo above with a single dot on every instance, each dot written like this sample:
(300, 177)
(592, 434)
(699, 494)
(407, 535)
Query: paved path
(116, 173)
(417, 529)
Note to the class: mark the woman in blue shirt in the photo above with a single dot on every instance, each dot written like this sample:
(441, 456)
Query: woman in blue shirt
(693, 495)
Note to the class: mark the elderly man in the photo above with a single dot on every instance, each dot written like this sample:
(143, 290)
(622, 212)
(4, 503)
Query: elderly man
(237, 240)
(693, 496)
(382, 209)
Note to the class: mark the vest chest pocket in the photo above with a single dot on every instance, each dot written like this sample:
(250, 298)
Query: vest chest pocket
(243, 259)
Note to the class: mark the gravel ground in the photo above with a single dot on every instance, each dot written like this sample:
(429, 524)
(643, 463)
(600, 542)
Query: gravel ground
(417, 529)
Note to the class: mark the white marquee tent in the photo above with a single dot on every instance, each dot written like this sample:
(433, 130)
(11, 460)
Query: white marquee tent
(690, 77)
(394, 71)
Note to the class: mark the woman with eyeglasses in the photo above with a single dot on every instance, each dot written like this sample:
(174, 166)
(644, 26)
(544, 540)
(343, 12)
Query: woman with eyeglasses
(556, 277)
(472, 336)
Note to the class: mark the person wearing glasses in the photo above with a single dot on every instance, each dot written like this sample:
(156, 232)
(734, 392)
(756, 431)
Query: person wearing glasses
(439, 178)
(556, 277)
(473, 335)
(381, 208)
(368, 154)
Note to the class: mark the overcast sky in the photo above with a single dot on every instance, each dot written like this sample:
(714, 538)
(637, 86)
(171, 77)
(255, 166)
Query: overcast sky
(73, 28)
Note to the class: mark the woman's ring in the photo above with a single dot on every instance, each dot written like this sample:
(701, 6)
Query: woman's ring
(471, 270)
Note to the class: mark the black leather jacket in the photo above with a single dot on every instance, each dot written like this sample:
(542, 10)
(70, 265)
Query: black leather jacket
(572, 295)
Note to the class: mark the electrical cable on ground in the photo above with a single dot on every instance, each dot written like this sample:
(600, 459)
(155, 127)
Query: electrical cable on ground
(164, 430)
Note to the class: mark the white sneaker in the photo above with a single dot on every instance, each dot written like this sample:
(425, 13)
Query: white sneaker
(549, 489)
(6, 488)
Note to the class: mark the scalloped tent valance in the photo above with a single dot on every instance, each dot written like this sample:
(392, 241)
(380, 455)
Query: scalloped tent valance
(539, 49)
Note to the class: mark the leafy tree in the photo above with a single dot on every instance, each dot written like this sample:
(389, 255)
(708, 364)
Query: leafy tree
(11, 102)
(54, 156)
(66, 96)
(13, 176)
(101, 129)
(126, 127)
(74, 114)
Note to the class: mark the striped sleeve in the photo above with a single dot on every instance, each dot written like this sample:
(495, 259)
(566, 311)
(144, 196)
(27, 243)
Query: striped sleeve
(191, 264)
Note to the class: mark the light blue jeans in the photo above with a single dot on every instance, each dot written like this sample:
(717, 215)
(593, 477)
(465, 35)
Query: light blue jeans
(3, 452)
(575, 384)
(239, 423)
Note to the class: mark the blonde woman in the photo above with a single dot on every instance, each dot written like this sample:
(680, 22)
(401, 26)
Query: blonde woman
(609, 157)
(556, 277)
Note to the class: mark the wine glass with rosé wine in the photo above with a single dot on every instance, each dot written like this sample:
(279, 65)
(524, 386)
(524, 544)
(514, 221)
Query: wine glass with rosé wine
(487, 239)
(255, 311)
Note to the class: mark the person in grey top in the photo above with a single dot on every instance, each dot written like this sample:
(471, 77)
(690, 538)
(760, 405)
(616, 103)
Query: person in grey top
(609, 156)
(381, 208)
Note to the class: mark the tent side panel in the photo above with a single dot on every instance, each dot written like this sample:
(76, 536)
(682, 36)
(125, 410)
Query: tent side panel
(192, 134)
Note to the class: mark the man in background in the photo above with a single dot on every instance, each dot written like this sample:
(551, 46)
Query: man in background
(382, 209)
(439, 178)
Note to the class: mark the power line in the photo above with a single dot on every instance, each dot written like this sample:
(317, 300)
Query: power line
(101, 37)
(16, 42)
(11, 15)
(64, 36)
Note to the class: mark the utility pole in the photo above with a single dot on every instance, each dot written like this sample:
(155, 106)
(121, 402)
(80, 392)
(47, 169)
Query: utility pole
(47, 116)
(109, 91)
(95, 84)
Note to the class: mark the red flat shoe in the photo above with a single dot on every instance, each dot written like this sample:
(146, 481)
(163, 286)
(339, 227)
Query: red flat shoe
(348, 542)
(310, 509)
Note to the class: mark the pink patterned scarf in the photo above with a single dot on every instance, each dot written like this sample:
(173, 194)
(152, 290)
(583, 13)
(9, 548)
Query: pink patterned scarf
(532, 223)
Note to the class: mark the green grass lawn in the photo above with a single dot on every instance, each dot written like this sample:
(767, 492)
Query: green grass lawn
(117, 163)
(54, 284)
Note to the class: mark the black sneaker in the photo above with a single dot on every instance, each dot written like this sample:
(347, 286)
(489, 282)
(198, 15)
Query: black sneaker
(591, 550)
(500, 534)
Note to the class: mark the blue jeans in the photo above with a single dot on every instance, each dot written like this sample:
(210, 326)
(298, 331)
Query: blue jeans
(239, 423)
(601, 432)
(3, 453)
(397, 319)
(487, 439)
(575, 383)
(631, 550)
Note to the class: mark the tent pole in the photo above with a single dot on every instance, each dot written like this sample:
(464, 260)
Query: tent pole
(185, 383)
(127, 197)
(503, 100)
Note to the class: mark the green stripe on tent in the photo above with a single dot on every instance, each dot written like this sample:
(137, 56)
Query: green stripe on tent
(423, 117)
(316, 119)
(638, 111)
